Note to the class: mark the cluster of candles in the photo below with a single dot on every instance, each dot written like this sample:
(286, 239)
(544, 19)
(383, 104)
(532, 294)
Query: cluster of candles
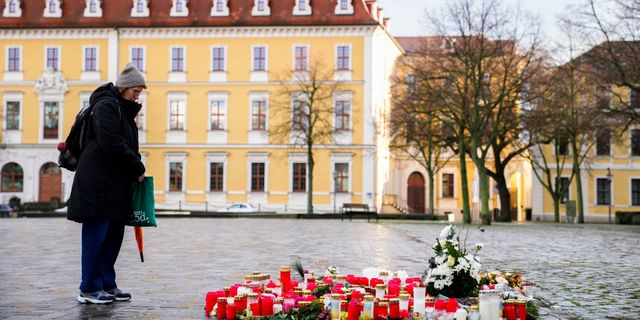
(492, 306)
(351, 297)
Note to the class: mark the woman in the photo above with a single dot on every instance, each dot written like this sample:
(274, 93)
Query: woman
(101, 195)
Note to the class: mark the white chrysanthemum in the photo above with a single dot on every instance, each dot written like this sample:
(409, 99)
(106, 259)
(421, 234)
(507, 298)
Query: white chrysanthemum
(444, 234)
(479, 246)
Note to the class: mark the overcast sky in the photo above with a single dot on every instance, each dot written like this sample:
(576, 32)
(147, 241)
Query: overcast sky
(407, 16)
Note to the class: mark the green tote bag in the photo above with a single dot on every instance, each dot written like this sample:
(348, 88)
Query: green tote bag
(144, 213)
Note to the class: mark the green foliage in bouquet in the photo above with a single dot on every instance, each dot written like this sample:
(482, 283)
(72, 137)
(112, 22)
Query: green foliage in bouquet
(453, 271)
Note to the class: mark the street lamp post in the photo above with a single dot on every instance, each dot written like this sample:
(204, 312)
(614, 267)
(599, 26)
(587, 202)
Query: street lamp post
(609, 179)
(335, 179)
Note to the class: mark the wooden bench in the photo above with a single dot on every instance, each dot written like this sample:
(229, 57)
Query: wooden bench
(357, 208)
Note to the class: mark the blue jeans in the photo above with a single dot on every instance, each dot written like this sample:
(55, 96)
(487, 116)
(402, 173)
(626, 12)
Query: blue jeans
(101, 241)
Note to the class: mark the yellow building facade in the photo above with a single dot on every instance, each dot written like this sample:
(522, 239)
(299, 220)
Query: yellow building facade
(205, 126)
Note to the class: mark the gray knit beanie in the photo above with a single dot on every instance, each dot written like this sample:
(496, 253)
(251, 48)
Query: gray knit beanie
(130, 77)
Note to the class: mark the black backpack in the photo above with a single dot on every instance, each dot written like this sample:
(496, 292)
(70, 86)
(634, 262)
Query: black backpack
(75, 142)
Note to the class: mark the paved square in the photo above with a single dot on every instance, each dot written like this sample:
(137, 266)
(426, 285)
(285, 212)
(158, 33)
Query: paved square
(584, 272)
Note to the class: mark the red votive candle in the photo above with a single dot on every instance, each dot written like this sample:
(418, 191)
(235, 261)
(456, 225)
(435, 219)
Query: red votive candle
(521, 309)
(210, 301)
(394, 308)
(353, 310)
(393, 290)
(231, 312)
(266, 306)
(255, 309)
(222, 308)
(440, 305)
(285, 278)
(452, 305)
(509, 311)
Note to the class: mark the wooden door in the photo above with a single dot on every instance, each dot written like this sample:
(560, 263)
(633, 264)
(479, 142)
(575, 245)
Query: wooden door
(415, 193)
(50, 183)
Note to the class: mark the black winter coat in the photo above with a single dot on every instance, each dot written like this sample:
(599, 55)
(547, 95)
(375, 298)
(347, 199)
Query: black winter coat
(109, 163)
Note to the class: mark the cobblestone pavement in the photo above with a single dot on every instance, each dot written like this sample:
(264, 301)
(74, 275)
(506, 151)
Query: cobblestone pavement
(583, 272)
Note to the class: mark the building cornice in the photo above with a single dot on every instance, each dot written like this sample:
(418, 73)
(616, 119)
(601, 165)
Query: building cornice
(88, 33)
(190, 32)
(246, 32)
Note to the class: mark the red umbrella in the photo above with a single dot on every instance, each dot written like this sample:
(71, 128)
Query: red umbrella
(137, 231)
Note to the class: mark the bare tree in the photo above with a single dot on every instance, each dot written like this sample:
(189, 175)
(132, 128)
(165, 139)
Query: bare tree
(416, 129)
(306, 100)
(492, 53)
(611, 30)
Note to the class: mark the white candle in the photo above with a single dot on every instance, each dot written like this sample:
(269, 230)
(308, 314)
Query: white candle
(418, 299)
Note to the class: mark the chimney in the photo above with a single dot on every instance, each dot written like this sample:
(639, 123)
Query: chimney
(385, 22)
(379, 15)
(372, 5)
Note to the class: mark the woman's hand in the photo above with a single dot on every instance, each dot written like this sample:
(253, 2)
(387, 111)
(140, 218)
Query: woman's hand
(140, 178)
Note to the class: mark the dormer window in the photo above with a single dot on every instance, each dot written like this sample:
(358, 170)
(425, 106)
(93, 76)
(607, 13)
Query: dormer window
(302, 8)
(261, 8)
(93, 9)
(12, 9)
(52, 9)
(220, 8)
(344, 7)
(140, 8)
(179, 8)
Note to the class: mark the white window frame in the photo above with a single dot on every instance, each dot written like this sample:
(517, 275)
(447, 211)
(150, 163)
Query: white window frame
(145, 10)
(144, 57)
(177, 136)
(293, 67)
(13, 75)
(59, 57)
(298, 157)
(174, 9)
(60, 101)
(16, 14)
(611, 191)
(86, 75)
(258, 157)
(258, 136)
(57, 12)
(178, 76)
(260, 75)
(342, 158)
(306, 11)
(219, 157)
(170, 157)
(265, 12)
(222, 13)
(343, 74)
(344, 136)
(218, 136)
(87, 11)
(12, 136)
(340, 11)
(218, 76)
(453, 196)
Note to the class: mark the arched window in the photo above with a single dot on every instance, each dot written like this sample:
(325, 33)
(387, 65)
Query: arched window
(12, 178)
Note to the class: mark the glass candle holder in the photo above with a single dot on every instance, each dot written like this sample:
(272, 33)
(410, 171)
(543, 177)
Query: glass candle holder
(418, 299)
(335, 306)
(367, 311)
